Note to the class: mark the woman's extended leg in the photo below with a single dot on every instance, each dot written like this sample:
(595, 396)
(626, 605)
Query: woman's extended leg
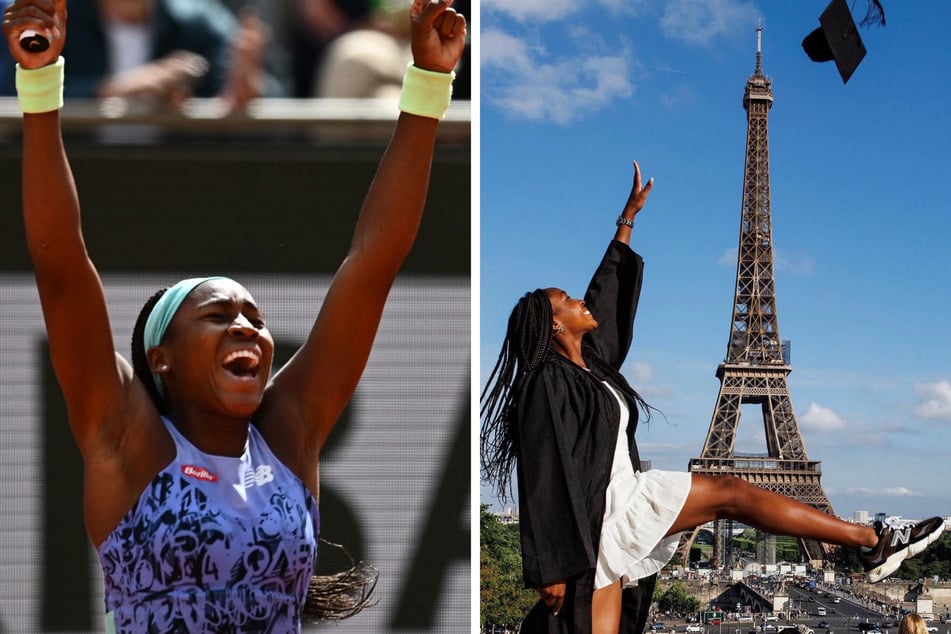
(728, 497)
(886, 546)
(606, 609)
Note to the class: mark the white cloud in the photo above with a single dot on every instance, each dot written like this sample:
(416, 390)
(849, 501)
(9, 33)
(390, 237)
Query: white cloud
(702, 21)
(691, 21)
(821, 418)
(544, 10)
(936, 400)
(641, 372)
(528, 83)
(539, 11)
(672, 100)
(640, 375)
(502, 49)
(789, 262)
(895, 492)
(729, 257)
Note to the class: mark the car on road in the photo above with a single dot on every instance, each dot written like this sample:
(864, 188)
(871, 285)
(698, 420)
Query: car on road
(693, 628)
(771, 617)
(823, 624)
(837, 600)
(658, 627)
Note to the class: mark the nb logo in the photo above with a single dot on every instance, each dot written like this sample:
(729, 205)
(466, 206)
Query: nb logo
(902, 536)
(259, 477)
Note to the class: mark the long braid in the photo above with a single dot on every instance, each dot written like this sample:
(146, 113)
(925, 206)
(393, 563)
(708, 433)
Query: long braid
(527, 343)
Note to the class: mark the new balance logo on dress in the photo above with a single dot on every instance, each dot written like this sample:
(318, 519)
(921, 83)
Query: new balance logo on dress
(258, 477)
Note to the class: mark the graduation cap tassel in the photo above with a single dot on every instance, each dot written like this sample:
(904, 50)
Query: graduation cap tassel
(837, 37)
(874, 14)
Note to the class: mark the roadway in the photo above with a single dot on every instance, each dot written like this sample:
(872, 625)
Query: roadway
(843, 617)
(843, 614)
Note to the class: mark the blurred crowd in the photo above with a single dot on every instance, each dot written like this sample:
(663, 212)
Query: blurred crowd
(161, 52)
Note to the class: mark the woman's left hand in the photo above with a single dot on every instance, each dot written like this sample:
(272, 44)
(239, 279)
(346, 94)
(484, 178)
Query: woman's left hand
(638, 196)
(438, 35)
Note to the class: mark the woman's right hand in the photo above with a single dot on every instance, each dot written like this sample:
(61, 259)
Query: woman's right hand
(46, 17)
(553, 595)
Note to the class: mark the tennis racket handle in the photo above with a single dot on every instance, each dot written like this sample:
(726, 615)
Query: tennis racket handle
(33, 42)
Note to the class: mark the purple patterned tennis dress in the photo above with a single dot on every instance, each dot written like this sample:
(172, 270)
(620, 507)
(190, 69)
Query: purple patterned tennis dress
(214, 544)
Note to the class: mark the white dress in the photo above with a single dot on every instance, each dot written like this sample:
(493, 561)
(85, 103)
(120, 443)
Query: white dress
(640, 507)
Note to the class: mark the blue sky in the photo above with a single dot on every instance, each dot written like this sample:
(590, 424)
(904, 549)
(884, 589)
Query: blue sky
(571, 92)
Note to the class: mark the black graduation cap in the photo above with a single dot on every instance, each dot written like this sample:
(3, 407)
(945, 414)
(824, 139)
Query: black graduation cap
(837, 39)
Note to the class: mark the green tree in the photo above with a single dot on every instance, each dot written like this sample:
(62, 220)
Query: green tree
(787, 549)
(677, 600)
(847, 559)
(504, 600)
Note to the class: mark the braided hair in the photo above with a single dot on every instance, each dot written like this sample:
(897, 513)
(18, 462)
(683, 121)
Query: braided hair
(140, 363)
(527, 343)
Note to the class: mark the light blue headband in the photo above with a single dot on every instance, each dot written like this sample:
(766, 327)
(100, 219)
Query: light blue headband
(163, 312)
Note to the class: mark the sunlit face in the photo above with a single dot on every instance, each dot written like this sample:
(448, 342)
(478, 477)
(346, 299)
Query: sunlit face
(570, 313)
(218, 348)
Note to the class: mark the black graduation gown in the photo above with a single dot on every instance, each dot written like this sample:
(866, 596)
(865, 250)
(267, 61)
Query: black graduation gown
(567, 426)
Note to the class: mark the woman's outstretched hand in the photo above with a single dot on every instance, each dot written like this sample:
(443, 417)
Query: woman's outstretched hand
(46, 17)
(638, 196)
(438, 35)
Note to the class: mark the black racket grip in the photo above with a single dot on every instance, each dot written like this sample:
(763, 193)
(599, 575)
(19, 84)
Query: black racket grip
(33, 42)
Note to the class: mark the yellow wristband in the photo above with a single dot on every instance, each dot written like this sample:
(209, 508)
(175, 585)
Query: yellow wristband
(426, 93)
(41, 89)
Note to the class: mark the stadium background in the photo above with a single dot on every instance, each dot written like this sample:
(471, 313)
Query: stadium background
(274, 210)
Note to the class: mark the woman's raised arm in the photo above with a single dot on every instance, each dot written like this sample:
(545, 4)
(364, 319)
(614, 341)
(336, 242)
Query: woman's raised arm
(315, 386)
(635, 202)
(70, 290)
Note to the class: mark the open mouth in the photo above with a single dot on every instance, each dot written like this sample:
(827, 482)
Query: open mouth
(243, 363)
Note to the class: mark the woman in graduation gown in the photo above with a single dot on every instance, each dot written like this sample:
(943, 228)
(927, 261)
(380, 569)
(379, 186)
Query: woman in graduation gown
(594, 528)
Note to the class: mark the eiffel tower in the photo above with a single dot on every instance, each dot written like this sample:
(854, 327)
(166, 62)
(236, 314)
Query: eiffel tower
(755, 369)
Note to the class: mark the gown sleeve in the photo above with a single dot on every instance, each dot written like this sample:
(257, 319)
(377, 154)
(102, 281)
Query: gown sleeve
(556, 541)
(612, 298)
